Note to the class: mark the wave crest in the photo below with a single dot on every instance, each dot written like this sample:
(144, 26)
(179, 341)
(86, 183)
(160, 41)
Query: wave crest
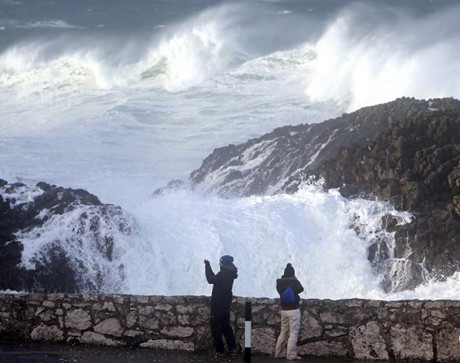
(363, 61)
(176, 59)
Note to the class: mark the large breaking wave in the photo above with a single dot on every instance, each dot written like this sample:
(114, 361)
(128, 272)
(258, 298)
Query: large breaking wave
(375, 55)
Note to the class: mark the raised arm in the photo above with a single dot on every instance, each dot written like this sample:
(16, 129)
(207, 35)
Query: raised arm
(210, 276)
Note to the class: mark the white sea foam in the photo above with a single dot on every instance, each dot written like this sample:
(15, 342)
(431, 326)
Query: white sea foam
(177, 59)
(21, 196)
(13, 292)
(431, 290)
(57, 24)
(94, 239)
(193, 54)
(163, 252)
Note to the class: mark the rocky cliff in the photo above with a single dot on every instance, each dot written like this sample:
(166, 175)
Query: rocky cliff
(406, 152)
(415, 164)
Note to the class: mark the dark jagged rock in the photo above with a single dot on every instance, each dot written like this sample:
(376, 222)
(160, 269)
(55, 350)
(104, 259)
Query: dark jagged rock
(25, 210)
(406, 152)
(172, 186)
(414, 164)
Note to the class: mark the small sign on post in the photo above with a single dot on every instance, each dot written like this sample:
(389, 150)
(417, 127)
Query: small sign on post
(247, 332)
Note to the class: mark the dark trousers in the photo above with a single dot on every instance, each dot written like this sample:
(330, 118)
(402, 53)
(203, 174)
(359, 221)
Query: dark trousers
(220, 324)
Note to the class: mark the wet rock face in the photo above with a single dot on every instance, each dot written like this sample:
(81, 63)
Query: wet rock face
(24, 213)
(415, 165)
(288, 154)
(406, 152)
(262, 165)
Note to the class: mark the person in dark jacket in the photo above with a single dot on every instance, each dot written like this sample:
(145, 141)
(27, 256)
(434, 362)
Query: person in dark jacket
(290, 315)
(221, 300)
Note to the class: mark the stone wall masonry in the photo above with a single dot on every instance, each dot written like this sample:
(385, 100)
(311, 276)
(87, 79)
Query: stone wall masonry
(359, 329)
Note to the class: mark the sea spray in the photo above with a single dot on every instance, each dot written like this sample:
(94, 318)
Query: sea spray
(377, 56)
(91, 239)
(160, 247)
(175, 232)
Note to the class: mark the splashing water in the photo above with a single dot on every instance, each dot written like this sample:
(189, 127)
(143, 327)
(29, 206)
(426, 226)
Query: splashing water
(162, 252)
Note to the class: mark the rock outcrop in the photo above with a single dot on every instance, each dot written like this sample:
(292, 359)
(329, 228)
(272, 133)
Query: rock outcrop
(25, 213)
(415, 164)
(406, 152)
(263, 165)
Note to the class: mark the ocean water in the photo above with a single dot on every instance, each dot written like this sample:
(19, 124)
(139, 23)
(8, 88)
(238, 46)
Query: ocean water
(119, 98)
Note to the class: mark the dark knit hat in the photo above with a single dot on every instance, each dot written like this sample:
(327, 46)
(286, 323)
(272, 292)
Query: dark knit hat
(289, 271)
(225, 260)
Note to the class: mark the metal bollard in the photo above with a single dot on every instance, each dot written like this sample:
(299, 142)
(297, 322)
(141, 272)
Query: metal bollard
(247, 332)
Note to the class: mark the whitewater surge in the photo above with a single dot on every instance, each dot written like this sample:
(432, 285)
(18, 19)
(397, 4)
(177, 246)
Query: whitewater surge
(161, 250)
(120, 109)
(378, 56)
(161, 246)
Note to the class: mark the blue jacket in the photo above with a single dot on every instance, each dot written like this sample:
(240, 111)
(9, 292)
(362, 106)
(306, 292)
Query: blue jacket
(282, 284)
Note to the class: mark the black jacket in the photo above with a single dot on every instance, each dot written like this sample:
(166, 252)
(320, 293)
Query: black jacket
(282, 284)
(221, 297)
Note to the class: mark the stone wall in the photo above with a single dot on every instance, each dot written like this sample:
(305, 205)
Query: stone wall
(360, 329)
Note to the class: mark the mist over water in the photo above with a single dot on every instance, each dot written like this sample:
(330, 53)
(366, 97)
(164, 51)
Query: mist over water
(120, 101)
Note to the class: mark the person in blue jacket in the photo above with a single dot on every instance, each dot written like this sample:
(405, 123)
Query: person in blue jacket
(221, 300)
(290, 314)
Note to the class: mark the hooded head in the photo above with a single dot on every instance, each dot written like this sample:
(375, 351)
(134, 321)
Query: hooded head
(289, 271)
(226, 260)
(226, 263)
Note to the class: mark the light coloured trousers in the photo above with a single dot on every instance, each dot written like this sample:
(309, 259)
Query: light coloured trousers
(290, 325)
